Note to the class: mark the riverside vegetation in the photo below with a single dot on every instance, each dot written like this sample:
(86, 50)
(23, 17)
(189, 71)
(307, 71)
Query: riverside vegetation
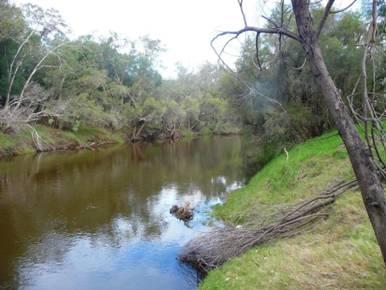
(62, 93)
(339, 252)
(112, 85)
(369, 171)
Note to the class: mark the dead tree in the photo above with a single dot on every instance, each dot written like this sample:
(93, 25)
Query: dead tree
(364, 167)
(15, 66)
(22, 109)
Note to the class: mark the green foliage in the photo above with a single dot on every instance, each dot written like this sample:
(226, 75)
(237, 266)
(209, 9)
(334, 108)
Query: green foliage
(277, 95)
(115, 83)
(293, 124)
(81, 110)
(284, 180)
(109, 82)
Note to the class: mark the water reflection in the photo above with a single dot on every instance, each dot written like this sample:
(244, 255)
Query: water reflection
(100, 219)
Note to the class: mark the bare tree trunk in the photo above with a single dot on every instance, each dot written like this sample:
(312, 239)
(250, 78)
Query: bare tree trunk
(136, 136)
(13, 72)
(364, 168)
(37, 67)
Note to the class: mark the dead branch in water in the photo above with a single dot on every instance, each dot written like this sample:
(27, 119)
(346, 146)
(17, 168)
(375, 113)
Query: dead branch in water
(211, 250)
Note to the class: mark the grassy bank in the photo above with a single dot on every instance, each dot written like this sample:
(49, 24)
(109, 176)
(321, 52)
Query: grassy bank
(340, 253)
(22, 142)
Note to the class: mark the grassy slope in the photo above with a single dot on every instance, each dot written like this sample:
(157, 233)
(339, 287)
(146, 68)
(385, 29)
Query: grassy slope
(21, 142)
(340, 253)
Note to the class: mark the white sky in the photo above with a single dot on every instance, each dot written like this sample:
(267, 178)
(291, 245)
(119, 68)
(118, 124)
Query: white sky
(184, 27)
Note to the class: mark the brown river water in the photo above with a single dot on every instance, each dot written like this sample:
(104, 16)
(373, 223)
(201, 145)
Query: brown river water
(100, 219)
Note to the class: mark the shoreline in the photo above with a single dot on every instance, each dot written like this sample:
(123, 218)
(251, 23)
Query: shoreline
(54, 140)
(342, 244)
(51, 140)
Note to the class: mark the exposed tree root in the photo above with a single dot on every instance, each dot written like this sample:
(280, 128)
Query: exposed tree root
(212, 249)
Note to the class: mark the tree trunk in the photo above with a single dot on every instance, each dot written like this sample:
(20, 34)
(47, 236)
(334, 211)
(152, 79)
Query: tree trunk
(364, 168)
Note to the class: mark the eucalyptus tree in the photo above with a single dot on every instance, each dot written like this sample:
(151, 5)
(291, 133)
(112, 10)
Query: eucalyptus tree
(309, 36)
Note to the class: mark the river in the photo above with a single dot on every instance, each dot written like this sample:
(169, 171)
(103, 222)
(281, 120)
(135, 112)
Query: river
(100, 219)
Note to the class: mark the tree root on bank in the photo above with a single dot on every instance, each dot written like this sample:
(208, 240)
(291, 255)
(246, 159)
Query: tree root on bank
(211, 250)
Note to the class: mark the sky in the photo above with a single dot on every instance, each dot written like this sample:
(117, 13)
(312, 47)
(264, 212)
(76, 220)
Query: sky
(185, 27)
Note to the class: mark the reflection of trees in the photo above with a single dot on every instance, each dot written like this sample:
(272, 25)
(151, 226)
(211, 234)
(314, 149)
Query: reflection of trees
(137, 152)
(85, 191)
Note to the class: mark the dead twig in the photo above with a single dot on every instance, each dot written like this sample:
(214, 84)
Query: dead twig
(211, 250)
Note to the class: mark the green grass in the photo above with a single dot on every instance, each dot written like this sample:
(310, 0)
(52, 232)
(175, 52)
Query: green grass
(340, 253)
(21, 142)
(7, 144)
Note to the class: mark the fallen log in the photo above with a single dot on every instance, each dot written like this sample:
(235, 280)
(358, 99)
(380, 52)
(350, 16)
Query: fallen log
(210, 250)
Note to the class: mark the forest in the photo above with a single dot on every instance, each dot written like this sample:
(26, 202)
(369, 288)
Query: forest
(307, 91)
(113, 83)
(110, 83)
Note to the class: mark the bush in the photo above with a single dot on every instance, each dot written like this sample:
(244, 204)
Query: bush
(77, 111)
(296, 123)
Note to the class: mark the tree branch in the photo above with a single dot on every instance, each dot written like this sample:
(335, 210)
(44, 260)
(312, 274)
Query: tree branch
(257, 51)
(234, 74)
(35, 69)
(242, 12)
(281, 22)
(302, 65)
(269, 20)
(343, 9)
(324, 17)
(12, 73)
(276, 30)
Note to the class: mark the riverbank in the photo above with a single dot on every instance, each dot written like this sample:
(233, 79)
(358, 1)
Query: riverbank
(340, 253)
(51, 139)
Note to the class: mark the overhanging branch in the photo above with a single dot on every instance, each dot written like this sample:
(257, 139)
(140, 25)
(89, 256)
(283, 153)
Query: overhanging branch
(343, 9)
(276, 30)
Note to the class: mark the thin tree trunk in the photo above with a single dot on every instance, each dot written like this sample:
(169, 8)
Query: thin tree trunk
(364, 168)
(12, 73)
(34, 71)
